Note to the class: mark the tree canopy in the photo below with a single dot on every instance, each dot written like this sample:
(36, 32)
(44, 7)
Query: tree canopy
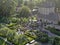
(24, 11)
(7, 7)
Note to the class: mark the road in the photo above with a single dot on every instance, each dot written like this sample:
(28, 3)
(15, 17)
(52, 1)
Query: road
(49, 33)
(46, 31)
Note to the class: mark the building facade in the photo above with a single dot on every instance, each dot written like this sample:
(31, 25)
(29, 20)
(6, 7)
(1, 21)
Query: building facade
(46, 11)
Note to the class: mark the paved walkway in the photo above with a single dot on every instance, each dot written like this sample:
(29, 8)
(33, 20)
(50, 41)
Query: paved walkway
(6, 40)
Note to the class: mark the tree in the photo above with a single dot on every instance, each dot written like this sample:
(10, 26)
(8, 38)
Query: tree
(22, 40)
(42, 37)
(7, 7)
(10, 35)
(24, 12)
(20, 2)
(56, 41)
(3, 31)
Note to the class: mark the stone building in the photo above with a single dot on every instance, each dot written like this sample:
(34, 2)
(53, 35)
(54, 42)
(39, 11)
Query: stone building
(46, 11)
